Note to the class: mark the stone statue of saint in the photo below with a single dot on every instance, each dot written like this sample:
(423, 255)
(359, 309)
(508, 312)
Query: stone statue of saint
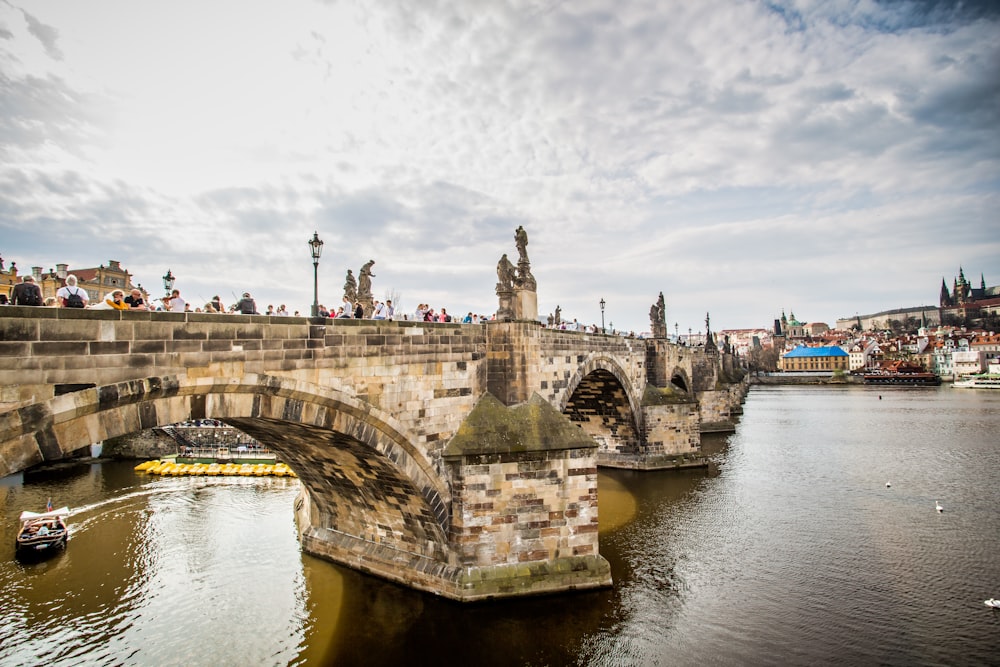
(654, 318)
(365, 281)
(351, 287)
(558, 316)
(505, 273)
(707, 327)
(521, 240)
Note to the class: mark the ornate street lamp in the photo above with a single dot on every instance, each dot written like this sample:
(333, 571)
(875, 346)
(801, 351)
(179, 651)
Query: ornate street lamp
(168, 281)
(316, 248)
(602, 316)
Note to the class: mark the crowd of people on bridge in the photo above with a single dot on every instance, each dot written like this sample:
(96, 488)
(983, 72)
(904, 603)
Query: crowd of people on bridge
(27, 293)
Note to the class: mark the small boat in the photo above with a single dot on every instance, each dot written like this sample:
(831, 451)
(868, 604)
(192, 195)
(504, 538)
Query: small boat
(42, 533)
(992, 602)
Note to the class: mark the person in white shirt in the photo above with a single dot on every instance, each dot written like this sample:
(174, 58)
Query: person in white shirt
(175, 304)
(71, 288)
(379, 311)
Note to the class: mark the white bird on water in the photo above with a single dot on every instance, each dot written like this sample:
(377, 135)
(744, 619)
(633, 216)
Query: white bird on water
(938, 507)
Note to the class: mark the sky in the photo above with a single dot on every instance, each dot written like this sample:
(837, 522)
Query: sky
(744, 158)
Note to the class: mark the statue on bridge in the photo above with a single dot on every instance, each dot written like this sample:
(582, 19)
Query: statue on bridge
(365, 281)
(558, 318)
(524, 280)
(521, 241)
(516, 286)
(658, 318)
(365, 289)
(351, 287)
(505, 274)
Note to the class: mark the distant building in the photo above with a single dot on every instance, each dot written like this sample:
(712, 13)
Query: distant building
(924, 316)
(802, 358)
(99, 281)
(965, 301)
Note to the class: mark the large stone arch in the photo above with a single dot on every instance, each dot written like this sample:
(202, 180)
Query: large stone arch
(602, 401)
(407, 509)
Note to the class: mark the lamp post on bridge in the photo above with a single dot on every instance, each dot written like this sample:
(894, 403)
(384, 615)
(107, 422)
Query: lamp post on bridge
(602, 315)
(168, 283)
(316, 248)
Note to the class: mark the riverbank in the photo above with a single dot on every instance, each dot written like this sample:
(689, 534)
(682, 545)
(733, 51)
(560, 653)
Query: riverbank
(805, 379)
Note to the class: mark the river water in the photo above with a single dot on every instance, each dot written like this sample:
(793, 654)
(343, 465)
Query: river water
(790, 550)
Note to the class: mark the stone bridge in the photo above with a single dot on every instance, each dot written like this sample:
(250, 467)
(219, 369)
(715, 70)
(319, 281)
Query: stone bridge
(456, 459)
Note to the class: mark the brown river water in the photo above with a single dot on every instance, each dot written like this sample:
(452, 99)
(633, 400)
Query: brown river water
(790, 550)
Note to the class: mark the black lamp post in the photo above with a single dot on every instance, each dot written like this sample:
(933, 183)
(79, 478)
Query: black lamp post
(316, 248)
(602, 316)
(168, 282)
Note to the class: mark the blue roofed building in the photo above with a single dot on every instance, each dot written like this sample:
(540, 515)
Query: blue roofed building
(802, 358)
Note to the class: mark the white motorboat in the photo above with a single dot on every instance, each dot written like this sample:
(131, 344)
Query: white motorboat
(992, 603)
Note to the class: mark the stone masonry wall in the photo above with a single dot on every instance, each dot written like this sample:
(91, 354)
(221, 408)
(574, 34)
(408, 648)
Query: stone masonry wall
(568, 355)
(426, 375)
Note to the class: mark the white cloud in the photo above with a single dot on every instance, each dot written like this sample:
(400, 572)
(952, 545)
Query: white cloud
(739, 156)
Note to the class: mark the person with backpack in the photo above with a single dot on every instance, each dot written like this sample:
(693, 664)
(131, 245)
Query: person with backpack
(72, 296)
(26, 292)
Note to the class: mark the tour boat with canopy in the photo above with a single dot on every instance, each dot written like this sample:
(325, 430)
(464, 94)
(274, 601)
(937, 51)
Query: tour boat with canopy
(42, 533)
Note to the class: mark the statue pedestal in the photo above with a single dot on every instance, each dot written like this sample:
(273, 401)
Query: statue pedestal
(505, 313)
(525, 305)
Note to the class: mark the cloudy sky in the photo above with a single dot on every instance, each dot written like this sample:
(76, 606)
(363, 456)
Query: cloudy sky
(822, 157)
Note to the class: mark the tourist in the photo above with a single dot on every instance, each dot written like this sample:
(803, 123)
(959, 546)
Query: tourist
(71, 296)
(26, 292)
(379, 312)
(217, 305)
(50, 302)
(359, 311)
(270, 310)
(282, 312)
(347, 307)
(174, 303)
(135, 300)
(246, 305)
(323, 312)
(341, 313)
(390, 310)
(116, 300)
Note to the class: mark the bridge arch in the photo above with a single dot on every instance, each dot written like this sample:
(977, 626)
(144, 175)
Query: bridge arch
(679, 380)
(600, 398)
(395, 498)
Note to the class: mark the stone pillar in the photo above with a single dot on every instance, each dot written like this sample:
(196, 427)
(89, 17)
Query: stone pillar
(525, 305)
(524, 503)
(506, 310)
(512, 353)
